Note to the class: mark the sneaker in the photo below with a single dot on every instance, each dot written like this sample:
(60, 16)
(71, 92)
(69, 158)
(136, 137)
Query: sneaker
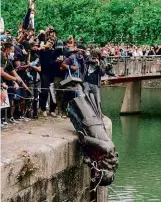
(45, 114)
(12, 120)
(59, 116)
(35, 117)
(27, 119)
(53, 114)
(15, 121)
(3, 126)
(5, 123)
(22, 118)
(64, 116)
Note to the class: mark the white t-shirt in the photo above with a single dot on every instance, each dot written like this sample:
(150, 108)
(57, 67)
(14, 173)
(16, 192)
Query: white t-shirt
(137, 53)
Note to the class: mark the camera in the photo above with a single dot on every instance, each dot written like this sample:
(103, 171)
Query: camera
(93, 61)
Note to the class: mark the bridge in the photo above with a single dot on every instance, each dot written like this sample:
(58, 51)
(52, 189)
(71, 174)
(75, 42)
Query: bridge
(132, 70)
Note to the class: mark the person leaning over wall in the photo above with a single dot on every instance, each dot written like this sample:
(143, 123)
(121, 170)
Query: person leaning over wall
(7, 58)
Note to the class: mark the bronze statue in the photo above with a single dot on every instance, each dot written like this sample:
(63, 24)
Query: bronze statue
(97, 147)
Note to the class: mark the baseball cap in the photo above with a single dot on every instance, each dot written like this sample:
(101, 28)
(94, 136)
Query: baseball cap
(59, 44)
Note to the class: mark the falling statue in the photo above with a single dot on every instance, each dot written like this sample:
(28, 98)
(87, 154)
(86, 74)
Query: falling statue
(97, 147)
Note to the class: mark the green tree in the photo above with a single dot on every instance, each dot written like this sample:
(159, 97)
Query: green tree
(99, 21)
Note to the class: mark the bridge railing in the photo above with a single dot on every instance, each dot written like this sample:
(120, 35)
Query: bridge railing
(131, 66)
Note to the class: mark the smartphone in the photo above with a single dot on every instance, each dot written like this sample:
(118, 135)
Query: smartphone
(61, 57)
(42, 44)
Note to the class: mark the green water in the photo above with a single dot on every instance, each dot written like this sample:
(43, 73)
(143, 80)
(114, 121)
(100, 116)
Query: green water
(138, 141)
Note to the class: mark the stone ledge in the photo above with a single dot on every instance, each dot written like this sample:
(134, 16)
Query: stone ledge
(38, 152)
(70, 185)
(27, 157)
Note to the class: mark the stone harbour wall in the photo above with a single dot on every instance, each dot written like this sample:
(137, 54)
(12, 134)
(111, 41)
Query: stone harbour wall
(69, 185)
(155, 83)
(41, 162)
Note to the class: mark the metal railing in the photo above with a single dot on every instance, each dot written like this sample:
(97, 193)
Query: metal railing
(135, 66)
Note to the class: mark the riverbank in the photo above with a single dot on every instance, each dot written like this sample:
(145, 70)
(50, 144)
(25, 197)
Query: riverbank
(41, 162)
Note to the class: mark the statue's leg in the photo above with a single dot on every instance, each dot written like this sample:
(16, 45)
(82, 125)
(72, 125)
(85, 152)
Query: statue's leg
(93, 91)
(96, 91)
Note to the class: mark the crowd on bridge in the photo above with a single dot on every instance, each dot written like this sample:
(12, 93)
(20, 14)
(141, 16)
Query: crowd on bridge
(30, 63)
(130, 50)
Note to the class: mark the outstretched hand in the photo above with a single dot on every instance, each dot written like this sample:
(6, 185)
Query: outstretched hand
(4, 86)
(16, 86)
(32, 3)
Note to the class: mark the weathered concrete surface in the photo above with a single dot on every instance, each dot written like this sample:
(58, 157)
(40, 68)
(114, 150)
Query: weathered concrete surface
(152, 83)
(132, 98)
(41, 162)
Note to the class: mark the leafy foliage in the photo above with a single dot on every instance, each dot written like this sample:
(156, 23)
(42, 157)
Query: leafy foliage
(98, 21)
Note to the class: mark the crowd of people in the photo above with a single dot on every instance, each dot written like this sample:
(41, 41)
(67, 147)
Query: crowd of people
(30, 63)
(131, 50)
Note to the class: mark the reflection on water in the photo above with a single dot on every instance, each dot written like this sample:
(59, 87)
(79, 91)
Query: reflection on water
(138, 141)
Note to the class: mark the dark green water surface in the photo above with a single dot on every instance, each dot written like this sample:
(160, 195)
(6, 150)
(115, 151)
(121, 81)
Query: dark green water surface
(138, 141)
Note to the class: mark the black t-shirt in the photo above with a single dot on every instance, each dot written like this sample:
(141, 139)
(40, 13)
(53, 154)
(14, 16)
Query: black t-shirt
(21, 58)
(57, 72)
(41, 37)
(26, 45)
(158, 52)
(49, 65)
(151, 52)
(129, 53)
(46, 61)
(6, 64)
(93, 76)
(18, 53)
(31, 75)
(66, 52)
(144, 52)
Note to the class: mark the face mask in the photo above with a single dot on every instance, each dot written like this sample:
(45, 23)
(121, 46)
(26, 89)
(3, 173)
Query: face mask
(79, 56)
(88, 53)
(32, 16)
(11, 56)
